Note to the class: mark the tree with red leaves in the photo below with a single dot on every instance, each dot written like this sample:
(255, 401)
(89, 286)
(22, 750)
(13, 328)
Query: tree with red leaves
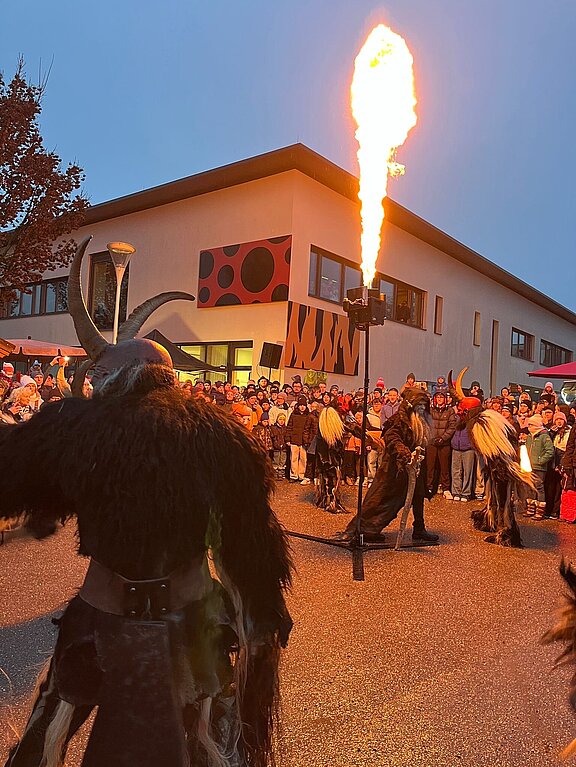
(37, 202)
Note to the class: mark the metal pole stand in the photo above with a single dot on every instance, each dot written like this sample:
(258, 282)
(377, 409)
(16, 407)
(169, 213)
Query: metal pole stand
(364, 310)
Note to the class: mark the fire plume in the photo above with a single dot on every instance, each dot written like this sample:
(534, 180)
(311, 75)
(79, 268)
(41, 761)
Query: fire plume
(383, 106)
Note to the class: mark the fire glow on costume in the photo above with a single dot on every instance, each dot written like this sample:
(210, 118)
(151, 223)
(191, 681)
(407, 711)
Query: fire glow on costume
(181, 665)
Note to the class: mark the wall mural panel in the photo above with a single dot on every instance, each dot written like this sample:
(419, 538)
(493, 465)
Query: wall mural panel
(251, 273)
(320, 340)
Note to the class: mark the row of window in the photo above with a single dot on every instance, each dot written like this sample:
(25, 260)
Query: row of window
(330, 277)
(550, 354)
(51, 296)
(47, 297)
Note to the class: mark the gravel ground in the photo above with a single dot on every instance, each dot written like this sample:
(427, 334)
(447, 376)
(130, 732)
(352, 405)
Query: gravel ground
(433, 660)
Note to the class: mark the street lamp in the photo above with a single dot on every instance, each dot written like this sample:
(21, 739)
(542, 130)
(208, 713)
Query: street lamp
(120, 253)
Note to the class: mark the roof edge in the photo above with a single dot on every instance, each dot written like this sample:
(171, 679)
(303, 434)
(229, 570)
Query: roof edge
(301, 158)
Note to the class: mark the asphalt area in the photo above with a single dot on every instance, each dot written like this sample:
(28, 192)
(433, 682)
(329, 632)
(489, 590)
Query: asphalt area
(434, 659)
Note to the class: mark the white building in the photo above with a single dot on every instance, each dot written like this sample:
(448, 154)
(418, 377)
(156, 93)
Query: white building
(268, 246)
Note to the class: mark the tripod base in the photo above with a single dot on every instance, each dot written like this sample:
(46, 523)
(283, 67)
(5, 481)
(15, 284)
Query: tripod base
(357, 549)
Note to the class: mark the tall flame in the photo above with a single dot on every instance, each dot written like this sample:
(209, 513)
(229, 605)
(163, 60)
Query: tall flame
(383, 106)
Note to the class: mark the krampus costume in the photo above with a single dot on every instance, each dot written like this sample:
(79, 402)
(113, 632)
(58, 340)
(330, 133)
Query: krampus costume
(329, 455)
(406, 430)
(565, 631)
(182, 666)
(494, 440)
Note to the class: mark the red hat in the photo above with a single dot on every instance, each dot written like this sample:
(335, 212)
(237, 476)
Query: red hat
(380, 383)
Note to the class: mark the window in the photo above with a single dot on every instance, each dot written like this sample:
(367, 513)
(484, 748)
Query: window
(551, 354)
(522, 345)
(331, 276)
(438, 310)
(234, 356)
(103, 291)
(47, 297)
(477, 328)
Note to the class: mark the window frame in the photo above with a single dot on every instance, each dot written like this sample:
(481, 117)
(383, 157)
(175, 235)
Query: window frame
(438, 314)
(104, 257)
(37, 291)
(528, 344)
(417, 296)
(477, 329)
(231, 368)
(567, 354)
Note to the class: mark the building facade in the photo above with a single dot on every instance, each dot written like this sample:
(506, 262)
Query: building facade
(269, 246)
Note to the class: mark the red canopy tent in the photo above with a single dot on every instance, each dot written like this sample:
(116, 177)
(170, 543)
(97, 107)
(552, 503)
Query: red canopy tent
(567, 371)
(26, 347)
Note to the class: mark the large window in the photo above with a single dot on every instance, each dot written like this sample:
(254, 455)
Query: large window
(551, 354)
(522, 345)
(47, 297)
(234, 356)
(103, 291)
(331, 276)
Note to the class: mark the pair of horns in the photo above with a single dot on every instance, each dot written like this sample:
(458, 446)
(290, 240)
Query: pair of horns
(91, 340)
(455, 387)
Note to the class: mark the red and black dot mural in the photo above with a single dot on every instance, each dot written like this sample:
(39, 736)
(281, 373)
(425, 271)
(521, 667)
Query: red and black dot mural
(319, 340)
(251, 273)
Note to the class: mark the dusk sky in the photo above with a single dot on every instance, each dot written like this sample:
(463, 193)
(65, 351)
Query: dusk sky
(142, 93)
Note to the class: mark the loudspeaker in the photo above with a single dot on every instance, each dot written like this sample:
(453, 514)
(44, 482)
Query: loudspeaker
(271, 356)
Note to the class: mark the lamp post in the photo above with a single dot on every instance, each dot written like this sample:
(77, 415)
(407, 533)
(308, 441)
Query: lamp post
(120, 253)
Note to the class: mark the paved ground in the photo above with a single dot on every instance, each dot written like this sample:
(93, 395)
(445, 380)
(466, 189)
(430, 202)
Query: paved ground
(433, 660)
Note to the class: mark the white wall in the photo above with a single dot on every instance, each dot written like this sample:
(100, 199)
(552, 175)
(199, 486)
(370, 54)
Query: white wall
(169, 239)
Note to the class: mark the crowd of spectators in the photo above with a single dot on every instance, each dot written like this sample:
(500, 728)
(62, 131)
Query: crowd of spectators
(284, 418)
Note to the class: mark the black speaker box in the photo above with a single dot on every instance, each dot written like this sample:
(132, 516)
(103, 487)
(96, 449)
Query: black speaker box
(271, 356)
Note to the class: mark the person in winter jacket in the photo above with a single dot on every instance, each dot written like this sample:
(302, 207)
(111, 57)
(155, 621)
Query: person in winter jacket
(553, 487)
(444, 421)
(463, 462)
(568, 467)
(262, 433)
(278, 433)
(391, 406)
(310, 473)
(298, 437)
(541, 452)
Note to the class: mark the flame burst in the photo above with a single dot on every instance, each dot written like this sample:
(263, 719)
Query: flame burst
(383, 106)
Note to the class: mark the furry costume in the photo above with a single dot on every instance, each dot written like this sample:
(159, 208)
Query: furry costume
(494, 439)
(386, 496)
(329, 455)
(565, 631)
(155, 480)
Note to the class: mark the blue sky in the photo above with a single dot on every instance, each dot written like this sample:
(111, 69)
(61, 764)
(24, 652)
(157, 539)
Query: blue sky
(143, 92)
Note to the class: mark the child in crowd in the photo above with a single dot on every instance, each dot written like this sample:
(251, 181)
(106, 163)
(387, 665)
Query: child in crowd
(278, 434)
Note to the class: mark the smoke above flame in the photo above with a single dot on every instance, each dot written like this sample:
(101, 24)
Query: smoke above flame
(383, 106)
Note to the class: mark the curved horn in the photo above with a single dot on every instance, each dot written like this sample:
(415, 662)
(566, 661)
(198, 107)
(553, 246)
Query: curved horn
(458, 384)
(91, 340)
(79, 376)
(138, 317)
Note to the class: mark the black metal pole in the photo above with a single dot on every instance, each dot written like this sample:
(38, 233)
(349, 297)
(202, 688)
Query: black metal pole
(358, 560)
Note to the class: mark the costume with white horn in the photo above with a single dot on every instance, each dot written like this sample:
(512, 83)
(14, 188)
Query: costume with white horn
(494, 440)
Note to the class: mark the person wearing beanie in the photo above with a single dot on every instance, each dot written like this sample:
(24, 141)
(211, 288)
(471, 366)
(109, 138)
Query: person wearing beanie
(560, 434)
(409, 383)
(380, 384)
(298, 438)
(262, 433)
(541, 452)
(549, 395)
(278, 434)
(439, 451)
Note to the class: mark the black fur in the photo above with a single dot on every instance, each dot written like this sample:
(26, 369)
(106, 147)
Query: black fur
(153, 477)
